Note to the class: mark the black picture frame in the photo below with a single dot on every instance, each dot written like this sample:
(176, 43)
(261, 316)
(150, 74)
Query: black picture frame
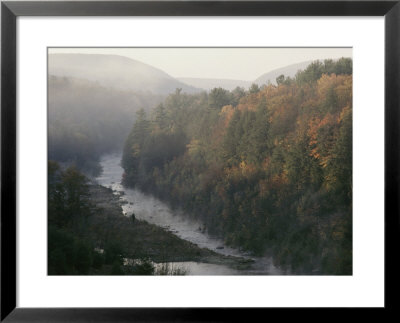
(11, 10)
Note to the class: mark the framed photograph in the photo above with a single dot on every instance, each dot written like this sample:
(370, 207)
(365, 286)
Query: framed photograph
(197, 158)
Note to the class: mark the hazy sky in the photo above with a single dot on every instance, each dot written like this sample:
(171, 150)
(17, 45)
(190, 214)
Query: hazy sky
(227, 63)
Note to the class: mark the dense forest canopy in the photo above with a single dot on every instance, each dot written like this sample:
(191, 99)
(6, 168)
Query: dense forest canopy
(269, 169)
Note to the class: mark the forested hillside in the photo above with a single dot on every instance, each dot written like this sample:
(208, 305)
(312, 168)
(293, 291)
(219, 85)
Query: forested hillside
(87, 119)
(268, 169)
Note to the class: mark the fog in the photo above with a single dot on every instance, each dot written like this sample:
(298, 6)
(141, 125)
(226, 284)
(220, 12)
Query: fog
(87, 119)
(115, 71)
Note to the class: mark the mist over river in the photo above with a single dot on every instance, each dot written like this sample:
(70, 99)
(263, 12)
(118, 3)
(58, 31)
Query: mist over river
(148, 208)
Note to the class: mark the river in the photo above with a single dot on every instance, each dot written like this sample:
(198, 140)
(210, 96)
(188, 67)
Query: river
(152, 210)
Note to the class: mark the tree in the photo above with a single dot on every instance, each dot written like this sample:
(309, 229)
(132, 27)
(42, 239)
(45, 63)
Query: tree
(344, 66)
(311, 74)
(231, 139)
(280, 79)
(237, 94)
(254, 88)
(339, 167)
(259, 136)
(134, 145)
(160, 117)
(77, 205)
(56, 195)
(218, 98)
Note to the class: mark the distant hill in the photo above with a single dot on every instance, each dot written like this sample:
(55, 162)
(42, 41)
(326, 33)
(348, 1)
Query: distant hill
(289, 70)
(208, 84)
(228, 84)
(116, 71)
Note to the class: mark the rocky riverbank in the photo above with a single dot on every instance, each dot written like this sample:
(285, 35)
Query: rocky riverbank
(143, 240)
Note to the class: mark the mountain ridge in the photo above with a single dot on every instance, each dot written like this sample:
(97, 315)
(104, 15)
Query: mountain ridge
(116, 71)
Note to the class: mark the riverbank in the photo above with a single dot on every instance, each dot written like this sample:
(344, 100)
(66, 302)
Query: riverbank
(141, 239)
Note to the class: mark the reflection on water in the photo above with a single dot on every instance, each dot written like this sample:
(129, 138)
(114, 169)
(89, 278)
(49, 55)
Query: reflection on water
(152, 210)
